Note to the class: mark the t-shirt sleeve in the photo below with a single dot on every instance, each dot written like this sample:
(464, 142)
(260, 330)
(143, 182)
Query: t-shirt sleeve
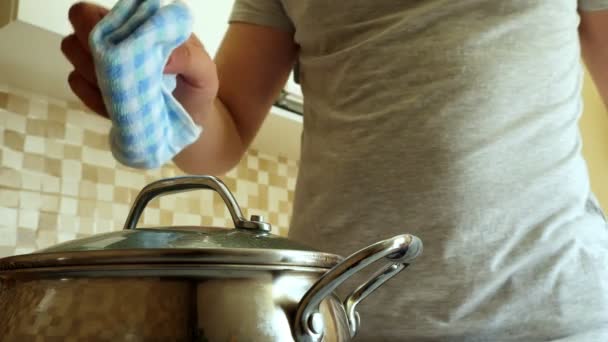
(592, 5)
(261, 12)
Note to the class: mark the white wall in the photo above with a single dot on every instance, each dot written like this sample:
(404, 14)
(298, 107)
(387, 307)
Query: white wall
(211, 21)
(53, 16)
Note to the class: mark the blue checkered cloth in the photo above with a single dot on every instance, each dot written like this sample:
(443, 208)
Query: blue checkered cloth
(130, 48)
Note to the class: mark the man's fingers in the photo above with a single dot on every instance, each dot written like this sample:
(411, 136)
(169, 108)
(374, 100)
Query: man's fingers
(84, 17)
(80, 59)
(89, 94)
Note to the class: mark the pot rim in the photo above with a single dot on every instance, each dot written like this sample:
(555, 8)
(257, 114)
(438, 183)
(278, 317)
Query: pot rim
(186, 256)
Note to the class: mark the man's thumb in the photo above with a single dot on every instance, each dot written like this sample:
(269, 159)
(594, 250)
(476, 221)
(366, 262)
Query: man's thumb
(191, 62)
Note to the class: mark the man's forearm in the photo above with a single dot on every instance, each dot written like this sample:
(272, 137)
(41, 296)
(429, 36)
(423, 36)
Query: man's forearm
(594, 44)
(597, 64)
(253, 64)
(219, 147)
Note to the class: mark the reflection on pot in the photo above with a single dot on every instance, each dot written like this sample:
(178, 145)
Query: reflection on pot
(111, 309)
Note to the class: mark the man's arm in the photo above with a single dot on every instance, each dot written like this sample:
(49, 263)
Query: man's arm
(594, 43)
(253, 64)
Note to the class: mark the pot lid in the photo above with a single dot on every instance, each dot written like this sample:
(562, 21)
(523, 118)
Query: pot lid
(250, 243)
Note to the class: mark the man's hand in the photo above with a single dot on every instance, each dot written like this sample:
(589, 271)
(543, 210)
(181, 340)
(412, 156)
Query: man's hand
(253, 64)
(197, 81)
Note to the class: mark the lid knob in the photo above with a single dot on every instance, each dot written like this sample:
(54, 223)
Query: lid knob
(257, 222)
(257, 218)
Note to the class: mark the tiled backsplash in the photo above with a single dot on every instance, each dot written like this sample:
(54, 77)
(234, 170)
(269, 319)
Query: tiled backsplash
(59, 181)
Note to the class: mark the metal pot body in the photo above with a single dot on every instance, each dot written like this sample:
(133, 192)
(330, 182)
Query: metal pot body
(195, 284)
(206, 303)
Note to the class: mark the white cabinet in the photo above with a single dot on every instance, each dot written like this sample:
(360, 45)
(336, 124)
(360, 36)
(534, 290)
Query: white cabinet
(49, 15)
(30, 57)
(210, 17)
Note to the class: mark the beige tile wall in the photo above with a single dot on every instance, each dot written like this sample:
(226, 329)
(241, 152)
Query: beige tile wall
(594, 128)
(59, 181)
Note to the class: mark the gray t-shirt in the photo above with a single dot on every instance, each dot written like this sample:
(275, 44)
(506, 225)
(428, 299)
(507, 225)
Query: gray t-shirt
(455, 121)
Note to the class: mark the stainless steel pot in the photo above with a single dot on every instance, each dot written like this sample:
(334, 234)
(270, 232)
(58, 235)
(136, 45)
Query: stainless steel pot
(189, 283)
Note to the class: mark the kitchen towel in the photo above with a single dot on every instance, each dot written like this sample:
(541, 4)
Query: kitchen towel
(130, 47)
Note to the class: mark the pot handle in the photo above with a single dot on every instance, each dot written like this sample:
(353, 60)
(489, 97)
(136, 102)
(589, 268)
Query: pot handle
(399, 251)
(187, 183)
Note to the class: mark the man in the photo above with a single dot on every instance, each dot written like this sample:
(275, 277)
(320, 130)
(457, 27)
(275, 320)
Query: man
(455, 121)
